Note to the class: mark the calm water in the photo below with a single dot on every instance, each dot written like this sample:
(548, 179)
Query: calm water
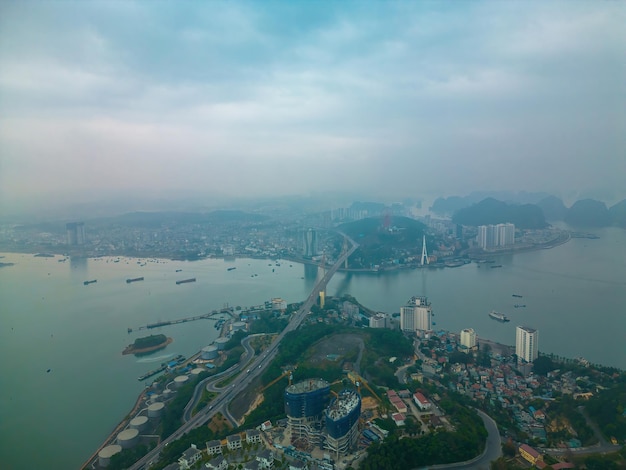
(575, 296)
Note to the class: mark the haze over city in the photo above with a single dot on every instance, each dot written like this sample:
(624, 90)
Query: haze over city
(241, 99)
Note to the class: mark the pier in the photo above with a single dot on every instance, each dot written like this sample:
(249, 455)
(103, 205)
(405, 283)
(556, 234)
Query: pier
(206, 316)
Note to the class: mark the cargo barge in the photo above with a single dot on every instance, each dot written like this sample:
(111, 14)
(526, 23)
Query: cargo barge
(90, 282)
(185, 281)
(135, 279)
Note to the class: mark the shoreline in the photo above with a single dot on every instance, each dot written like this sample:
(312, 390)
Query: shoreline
(131, 350)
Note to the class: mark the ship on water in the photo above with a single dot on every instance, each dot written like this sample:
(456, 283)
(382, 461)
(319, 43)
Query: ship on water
(185, 281)
(517, 295)
(90, 282)
(498, 316)
(135, 279)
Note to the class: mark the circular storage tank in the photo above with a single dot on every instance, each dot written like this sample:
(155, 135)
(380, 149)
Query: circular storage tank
(209, 352)
(128, 438)
(239, 326)
(167, 393)
(104, 456)
(197, 371)
(180, 381)
(139, 422)
(154, 398)
(221, 342)
(155, 410)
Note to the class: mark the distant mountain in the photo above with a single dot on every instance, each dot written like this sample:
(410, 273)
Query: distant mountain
(491, 211)
(618, 214)
(450, 205)
(553, 208)
(588, 213)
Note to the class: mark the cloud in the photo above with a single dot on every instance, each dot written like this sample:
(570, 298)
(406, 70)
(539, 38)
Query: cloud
(355, 95)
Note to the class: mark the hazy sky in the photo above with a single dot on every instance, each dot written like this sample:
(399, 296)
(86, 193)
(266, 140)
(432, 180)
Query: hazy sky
(259, 98)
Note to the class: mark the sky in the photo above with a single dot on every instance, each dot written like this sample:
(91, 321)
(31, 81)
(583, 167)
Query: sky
(255, 99)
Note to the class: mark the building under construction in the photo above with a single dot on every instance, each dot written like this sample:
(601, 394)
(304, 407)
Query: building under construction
(316, 421)
(342, 422)
(305, 403)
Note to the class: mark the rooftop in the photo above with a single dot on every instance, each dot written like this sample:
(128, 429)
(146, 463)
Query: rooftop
(307, 386)
(345, 403)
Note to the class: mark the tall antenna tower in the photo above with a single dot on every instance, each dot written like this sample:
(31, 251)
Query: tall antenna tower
(424, 253)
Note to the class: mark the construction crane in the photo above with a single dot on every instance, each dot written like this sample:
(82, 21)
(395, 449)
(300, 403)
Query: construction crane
(358, 380)
(280, 377)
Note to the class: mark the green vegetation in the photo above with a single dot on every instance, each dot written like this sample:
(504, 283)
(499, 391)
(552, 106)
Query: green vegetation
(149, 341)
(206, 398)
(465, 443)
(566, 407)
(608, 409)
(268, 323)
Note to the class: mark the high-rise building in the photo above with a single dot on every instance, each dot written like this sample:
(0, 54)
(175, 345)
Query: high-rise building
(75, 232)
(526, 343)
(468, 338)
(378, 320)
(342, 422)
(309, 243)
(494, 236)
(416, 315)
(305, 403)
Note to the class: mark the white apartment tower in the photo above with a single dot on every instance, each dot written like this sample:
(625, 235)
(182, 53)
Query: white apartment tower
(526, 343)
(416, 315)
(494, 236)
(468, 338)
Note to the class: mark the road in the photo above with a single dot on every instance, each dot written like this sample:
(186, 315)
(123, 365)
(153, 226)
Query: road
(493, 449)
(220, 403)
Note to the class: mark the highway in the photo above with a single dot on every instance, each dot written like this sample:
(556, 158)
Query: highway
(256, 367)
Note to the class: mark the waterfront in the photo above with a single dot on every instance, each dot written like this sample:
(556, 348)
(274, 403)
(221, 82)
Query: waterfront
(574, 295)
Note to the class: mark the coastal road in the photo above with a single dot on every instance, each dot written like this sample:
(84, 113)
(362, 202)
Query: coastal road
(256, 367)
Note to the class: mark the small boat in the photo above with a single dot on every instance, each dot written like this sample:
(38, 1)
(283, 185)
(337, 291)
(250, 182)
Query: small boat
(230, 269)
(90, 282)
(135, 279)
(185, 281)
(520, 305)
(517, 295)
(496, 266)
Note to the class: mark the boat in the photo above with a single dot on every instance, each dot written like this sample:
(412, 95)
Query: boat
(520, 305)
(151, 373)
(498, 316)
(230, 269)
(90, 282)
(135, 279)
(178, 270)
(517, 295)
(496, 266)
(185, 281)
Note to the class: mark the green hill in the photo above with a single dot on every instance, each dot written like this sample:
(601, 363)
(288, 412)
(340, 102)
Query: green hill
(618, 214)
(491, 211)
(588, 213)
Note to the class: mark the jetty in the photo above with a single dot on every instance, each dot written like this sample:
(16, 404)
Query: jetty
(207, 316)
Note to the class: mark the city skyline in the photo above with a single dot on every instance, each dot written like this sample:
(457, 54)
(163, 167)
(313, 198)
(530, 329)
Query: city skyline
(241, 100)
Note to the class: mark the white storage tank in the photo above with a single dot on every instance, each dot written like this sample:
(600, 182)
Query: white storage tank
(155, 410)
(221, 342)
(180, 381)
(139, 422)
(154, 398)
(209, 352)
(239, 326)
(197, 371)
(128, 438)
(104, 456)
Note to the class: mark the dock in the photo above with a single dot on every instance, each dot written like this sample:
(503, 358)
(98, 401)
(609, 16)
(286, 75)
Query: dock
(215, 315)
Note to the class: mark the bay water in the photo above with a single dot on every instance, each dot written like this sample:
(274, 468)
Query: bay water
(575, 296)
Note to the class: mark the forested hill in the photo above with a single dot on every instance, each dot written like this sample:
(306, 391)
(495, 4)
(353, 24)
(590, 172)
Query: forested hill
(491, 211)
(374, 230)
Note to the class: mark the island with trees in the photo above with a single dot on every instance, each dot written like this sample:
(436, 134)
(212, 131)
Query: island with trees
(147, 344)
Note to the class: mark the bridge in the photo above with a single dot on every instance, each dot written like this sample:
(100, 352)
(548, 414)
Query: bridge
(220, 403)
